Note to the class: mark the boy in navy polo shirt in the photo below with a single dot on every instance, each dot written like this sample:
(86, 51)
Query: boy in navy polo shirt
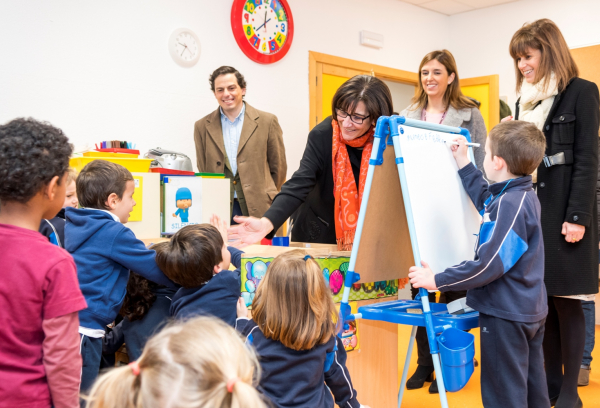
(505, 281)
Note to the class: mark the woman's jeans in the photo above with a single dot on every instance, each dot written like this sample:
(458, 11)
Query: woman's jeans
(589, 311)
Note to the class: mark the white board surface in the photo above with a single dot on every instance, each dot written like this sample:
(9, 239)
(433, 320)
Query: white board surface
(446, 221)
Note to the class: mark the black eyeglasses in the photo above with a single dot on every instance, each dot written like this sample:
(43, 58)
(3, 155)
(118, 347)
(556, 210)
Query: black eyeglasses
(354, 118)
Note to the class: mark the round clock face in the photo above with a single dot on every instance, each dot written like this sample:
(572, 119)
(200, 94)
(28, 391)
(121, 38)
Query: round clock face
(184, 47)
(263, 29)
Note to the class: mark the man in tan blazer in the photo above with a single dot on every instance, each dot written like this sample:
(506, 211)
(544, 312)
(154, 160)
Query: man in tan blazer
(243, 143)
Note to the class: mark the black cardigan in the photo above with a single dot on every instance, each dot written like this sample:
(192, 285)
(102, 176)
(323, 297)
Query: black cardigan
(567, 192)
(310, 190)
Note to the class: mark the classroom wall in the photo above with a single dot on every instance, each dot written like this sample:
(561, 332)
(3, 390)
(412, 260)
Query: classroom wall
(101, 70)
(479, 39)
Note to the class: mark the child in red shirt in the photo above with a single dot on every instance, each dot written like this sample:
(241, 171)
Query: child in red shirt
(40, 365)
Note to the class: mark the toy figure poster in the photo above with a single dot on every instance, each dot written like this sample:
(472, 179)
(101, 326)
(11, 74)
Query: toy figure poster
(182, 202)
(350, 336)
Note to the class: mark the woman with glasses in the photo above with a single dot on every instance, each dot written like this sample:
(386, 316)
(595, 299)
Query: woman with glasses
(324, 194)
(439, 100)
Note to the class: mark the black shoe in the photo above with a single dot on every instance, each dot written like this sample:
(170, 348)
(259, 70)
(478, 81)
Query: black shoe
(553, 401)
(422, 374)
(433, 388)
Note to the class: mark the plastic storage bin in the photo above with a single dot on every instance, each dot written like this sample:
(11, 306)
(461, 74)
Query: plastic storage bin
(457, 350)
(133, 165)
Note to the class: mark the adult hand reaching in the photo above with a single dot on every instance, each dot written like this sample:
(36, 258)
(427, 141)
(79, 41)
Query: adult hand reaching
(248, 231)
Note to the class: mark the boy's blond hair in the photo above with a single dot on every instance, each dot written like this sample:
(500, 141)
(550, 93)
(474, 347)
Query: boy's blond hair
(186, 365)
(521, 144)
(293, 303)
(71, 175)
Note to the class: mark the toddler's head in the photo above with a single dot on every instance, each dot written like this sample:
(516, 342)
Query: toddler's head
(108, 186)
(34, 158)
(293, 303)
(71, 198)
(520, 144)
(193, 255)
(199, 363)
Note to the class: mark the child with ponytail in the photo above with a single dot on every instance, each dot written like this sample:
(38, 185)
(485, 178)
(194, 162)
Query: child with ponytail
(199, 363)
(293, 329)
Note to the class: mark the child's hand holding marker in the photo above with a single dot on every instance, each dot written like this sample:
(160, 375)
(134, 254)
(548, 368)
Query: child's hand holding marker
(460, 150)
(422, 277)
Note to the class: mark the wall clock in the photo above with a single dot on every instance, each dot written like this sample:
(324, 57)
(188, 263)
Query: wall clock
(263, 29)
(184, 47)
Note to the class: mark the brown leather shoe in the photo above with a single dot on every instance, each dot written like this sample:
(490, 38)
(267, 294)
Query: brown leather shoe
(584, 376)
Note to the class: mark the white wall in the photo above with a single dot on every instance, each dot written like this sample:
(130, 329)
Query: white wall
(480, 38)
(101, 70)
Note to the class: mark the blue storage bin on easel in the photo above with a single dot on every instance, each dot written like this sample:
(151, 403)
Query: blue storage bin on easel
(457, 351)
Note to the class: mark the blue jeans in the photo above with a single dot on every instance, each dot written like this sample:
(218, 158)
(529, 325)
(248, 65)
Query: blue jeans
(589, 311)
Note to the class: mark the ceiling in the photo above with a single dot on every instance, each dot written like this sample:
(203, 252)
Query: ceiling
(450, 7)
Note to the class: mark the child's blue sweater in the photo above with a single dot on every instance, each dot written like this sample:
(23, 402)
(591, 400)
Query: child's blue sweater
(506, 278)
(218, 297)
(303, 378)
(105, 251)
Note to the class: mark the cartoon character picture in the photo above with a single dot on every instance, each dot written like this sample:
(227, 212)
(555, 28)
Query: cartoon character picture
(349, 338)
(255, 271)
(183, 201)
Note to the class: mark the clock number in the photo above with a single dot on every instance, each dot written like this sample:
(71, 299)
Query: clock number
(248, 30)
(264, 47)
(281, 16)
(246, 17)
(280, 38)
(249, 7)
(273, 46)
(283, 27)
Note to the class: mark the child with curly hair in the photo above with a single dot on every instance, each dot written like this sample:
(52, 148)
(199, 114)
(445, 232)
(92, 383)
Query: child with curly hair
(199, 363)
(293, 330)
(39, 293)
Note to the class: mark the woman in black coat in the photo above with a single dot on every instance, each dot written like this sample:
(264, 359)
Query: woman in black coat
(567, 109)
(311, 192)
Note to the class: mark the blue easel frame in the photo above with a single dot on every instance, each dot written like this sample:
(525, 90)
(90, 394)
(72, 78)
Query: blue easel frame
(386, 130)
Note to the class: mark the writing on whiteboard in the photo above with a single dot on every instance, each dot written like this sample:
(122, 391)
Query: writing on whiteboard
(431, 137)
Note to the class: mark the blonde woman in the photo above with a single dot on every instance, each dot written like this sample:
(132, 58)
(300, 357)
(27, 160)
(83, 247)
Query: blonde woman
(293, 330)
(200, 363)
(440, 100)
(567, 109)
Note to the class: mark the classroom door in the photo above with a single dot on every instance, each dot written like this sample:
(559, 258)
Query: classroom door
(484, 89)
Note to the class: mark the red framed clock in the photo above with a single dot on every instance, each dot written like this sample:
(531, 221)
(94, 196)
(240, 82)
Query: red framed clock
(263, 29)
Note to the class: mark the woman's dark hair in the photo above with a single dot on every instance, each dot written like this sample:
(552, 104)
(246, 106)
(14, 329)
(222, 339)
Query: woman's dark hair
(190, 257)
(31, 154)
(371, 91)
(224, 70)
(139, 297)
(98, 180)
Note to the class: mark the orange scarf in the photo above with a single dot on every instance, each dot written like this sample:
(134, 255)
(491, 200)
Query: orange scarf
(347, 199)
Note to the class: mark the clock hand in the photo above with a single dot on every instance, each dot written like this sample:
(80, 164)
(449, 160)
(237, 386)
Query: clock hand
(263, 25)
(185, 48)
(265, 20)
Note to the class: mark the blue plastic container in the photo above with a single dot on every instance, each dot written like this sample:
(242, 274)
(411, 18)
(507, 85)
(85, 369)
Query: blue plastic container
(457, 350)
(280, 241)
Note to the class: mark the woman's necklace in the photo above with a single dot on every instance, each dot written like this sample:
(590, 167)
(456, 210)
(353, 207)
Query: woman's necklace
(424, 115)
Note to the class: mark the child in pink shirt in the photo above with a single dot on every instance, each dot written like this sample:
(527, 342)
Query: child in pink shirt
(40, 365)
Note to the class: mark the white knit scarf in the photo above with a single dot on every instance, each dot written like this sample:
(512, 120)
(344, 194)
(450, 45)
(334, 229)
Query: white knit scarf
(531, 95)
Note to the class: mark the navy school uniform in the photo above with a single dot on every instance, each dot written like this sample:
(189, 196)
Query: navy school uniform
(104, 251)
(218, 297)
(54, 229)
(301, 378)
(505, 283)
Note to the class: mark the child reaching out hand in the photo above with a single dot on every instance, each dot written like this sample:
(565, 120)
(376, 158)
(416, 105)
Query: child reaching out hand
(505, 281)
(294, 333)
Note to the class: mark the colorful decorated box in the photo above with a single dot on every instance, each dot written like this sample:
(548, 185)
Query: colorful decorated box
(334, 266)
